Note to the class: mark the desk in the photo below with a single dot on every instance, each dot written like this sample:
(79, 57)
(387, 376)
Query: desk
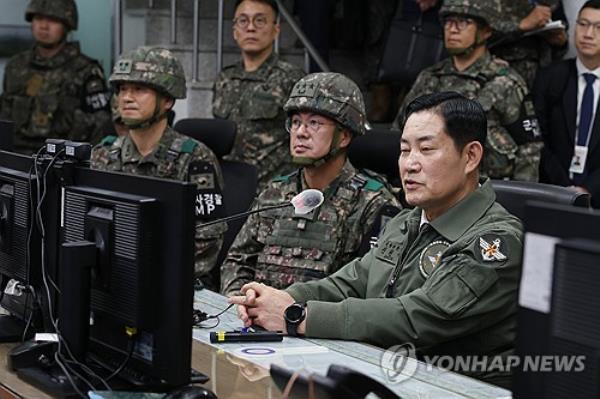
(236, 375)
(427, 382)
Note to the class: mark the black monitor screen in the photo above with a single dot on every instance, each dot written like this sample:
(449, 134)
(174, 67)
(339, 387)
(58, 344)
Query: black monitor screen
(546, 290)
(20, 249)
(141, 291)
(16, 201)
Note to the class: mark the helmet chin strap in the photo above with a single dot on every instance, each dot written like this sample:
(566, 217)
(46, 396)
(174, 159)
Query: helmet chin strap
(135, 124)
(334, 150)
(468, 50)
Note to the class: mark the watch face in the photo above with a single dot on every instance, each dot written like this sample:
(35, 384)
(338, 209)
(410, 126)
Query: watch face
(294, 312)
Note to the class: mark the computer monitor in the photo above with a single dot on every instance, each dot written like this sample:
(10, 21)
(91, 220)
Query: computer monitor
(557, 323)
(131, 309)
(20, 249)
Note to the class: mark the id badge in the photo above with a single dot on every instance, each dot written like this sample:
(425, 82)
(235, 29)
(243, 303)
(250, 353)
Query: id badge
(578, 160)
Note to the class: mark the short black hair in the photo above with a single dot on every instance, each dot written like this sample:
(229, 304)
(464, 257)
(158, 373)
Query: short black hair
(464, 119)
(590, 4)
(270, 3)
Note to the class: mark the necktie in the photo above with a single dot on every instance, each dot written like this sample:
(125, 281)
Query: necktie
(585, 117)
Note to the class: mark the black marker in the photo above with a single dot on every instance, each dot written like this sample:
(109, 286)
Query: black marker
(245, 335)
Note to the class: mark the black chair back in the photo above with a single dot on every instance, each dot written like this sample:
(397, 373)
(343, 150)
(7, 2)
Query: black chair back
(241, 182)
(217, 134)
(377, 150)
(241, 179)
(513, 195)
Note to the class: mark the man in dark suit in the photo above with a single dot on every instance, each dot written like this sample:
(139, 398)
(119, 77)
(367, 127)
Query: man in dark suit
(566, 100)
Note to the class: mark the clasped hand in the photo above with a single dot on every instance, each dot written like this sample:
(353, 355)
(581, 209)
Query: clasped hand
(262, 305)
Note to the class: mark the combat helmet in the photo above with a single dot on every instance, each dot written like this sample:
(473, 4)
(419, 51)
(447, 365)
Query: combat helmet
(488, 11)
(63, 10)
(332, 95)
(154, 67)
(151, 66)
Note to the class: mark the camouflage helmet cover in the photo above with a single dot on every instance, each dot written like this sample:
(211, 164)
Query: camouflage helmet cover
(487, 10)
(151, 66)
(63, 10)
(332, 95)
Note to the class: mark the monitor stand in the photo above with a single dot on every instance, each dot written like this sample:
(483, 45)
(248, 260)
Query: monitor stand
(44, 372)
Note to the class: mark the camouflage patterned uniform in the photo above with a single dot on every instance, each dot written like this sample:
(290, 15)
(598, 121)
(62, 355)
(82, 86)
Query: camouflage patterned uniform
(61, 97)
(176, 156)
(279, 247)
(513, 143)
(526, 54)
(254, 101)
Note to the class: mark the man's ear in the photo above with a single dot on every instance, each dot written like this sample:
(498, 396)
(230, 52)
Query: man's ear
(277, 28)
(345, 138)
(168, 103)
(485, 32)
(473, 152)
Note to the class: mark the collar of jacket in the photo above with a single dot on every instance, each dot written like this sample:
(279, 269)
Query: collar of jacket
(456, 221)
(263, 71)
(345, 174)
(68, 52)
(130, 153)
(473, 70)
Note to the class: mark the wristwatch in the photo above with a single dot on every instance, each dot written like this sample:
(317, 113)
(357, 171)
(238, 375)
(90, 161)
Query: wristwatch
(294, 315)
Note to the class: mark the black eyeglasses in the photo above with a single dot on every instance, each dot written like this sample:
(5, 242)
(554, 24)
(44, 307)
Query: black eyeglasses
(243, 21)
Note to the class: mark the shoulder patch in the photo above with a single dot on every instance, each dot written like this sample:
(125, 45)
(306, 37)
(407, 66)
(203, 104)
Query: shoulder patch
(373, 185)
(373, 180)
(492, 248)
(188, 146)
(108, 140)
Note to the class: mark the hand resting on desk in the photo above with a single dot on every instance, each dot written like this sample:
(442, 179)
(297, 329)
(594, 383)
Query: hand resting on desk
(264, 306)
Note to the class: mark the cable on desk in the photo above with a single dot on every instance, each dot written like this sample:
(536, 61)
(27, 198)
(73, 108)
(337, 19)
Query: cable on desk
(199, 317)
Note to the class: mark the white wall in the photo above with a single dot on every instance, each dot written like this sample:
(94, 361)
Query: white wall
(96, 30)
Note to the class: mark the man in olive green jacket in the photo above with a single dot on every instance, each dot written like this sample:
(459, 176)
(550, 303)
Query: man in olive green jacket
(444, 275)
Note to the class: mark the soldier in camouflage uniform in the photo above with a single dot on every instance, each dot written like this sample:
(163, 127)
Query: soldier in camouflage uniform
(325, 110)
(148, 80)
(443, 277)
(527, 54)
(514, 142)
(252, 92)
(52, 90)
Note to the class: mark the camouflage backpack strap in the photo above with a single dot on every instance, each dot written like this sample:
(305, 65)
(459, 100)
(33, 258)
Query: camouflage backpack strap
(180, 147)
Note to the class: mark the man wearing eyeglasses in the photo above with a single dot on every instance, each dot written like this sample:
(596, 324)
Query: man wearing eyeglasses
(252, 91)
(513, 141)
(324, 112)
(566, 100)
